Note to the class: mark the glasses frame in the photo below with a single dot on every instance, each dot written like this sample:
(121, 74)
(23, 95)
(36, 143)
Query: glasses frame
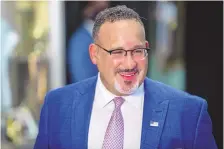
(126, 51)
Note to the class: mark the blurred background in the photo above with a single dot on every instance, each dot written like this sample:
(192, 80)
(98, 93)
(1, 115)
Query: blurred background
(44, 45)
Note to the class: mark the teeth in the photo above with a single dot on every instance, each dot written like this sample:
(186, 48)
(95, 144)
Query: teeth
(128, 75)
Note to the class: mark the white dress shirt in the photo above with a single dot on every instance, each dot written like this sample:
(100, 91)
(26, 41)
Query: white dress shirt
(103, 106)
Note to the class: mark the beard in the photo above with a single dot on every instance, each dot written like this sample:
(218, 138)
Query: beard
(126, 87)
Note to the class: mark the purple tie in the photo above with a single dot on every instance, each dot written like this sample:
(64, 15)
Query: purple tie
(114, 136)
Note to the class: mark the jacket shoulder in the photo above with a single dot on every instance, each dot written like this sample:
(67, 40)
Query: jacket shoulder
(169, 93)
(68, 93)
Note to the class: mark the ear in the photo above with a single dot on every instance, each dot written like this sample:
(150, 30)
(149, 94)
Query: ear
(93, 53)
(146, 44)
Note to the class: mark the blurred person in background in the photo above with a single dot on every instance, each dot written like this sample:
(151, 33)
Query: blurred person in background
(79, 63)
(121, 108)
(9, 41)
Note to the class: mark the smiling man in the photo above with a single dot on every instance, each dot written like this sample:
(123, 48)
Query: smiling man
(121, 108)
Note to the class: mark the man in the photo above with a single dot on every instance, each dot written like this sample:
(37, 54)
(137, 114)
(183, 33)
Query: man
(78, 55)
(121, 108)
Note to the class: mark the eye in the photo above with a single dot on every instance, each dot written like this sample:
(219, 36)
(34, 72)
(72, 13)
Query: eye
(118, 52)
(138, 51)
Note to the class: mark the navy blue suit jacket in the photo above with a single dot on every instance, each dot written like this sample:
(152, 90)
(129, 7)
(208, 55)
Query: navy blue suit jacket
(183, 120)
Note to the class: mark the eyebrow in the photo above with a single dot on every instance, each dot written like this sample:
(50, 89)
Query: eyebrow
(136, 46)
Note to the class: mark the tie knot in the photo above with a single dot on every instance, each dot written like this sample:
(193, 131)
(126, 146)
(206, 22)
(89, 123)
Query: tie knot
(118, 101)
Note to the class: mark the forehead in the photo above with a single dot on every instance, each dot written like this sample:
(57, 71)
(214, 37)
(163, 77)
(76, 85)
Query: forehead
(123, 33)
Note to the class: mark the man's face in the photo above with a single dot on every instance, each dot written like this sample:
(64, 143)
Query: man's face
(120, 75)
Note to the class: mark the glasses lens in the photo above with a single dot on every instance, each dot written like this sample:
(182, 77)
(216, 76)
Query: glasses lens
(117, 54)
(139, 54)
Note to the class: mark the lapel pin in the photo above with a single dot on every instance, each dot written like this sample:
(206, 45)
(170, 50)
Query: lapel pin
(154, 124)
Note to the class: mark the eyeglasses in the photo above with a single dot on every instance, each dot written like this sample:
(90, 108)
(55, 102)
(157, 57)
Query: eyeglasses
(119, 54)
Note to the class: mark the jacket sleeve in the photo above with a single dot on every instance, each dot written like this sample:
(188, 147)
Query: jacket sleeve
(203, 137)
(42, 137)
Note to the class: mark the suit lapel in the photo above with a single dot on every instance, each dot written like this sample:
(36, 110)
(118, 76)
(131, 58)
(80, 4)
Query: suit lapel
(154, 113)
(82, 108)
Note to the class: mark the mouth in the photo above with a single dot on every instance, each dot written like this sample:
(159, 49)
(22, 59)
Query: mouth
(128, 76)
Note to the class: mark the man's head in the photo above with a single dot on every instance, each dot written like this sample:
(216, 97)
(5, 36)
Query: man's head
(120, 49)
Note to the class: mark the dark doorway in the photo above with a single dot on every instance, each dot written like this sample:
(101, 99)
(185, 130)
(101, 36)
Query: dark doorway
(204, 61)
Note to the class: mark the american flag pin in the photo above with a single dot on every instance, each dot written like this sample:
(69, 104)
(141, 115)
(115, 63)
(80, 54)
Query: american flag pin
(154, 124)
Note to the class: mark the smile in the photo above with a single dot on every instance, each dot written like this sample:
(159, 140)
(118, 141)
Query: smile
(128, 75)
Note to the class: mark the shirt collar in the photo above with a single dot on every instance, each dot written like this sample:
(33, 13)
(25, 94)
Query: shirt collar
(134, 99)
(107, 95)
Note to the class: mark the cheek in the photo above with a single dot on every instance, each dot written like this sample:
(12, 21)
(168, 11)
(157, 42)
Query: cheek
(143, 64)
(110, 66)
(116, 63)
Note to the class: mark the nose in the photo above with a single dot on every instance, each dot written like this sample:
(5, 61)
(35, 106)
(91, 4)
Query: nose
(129, 62)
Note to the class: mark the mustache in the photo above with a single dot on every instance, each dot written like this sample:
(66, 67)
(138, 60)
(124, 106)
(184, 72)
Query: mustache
(127, 70)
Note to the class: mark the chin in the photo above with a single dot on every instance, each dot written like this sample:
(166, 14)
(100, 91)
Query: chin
(126, 87)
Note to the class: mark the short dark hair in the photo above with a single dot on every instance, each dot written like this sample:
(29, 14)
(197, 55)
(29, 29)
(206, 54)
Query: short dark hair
(120, 12)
